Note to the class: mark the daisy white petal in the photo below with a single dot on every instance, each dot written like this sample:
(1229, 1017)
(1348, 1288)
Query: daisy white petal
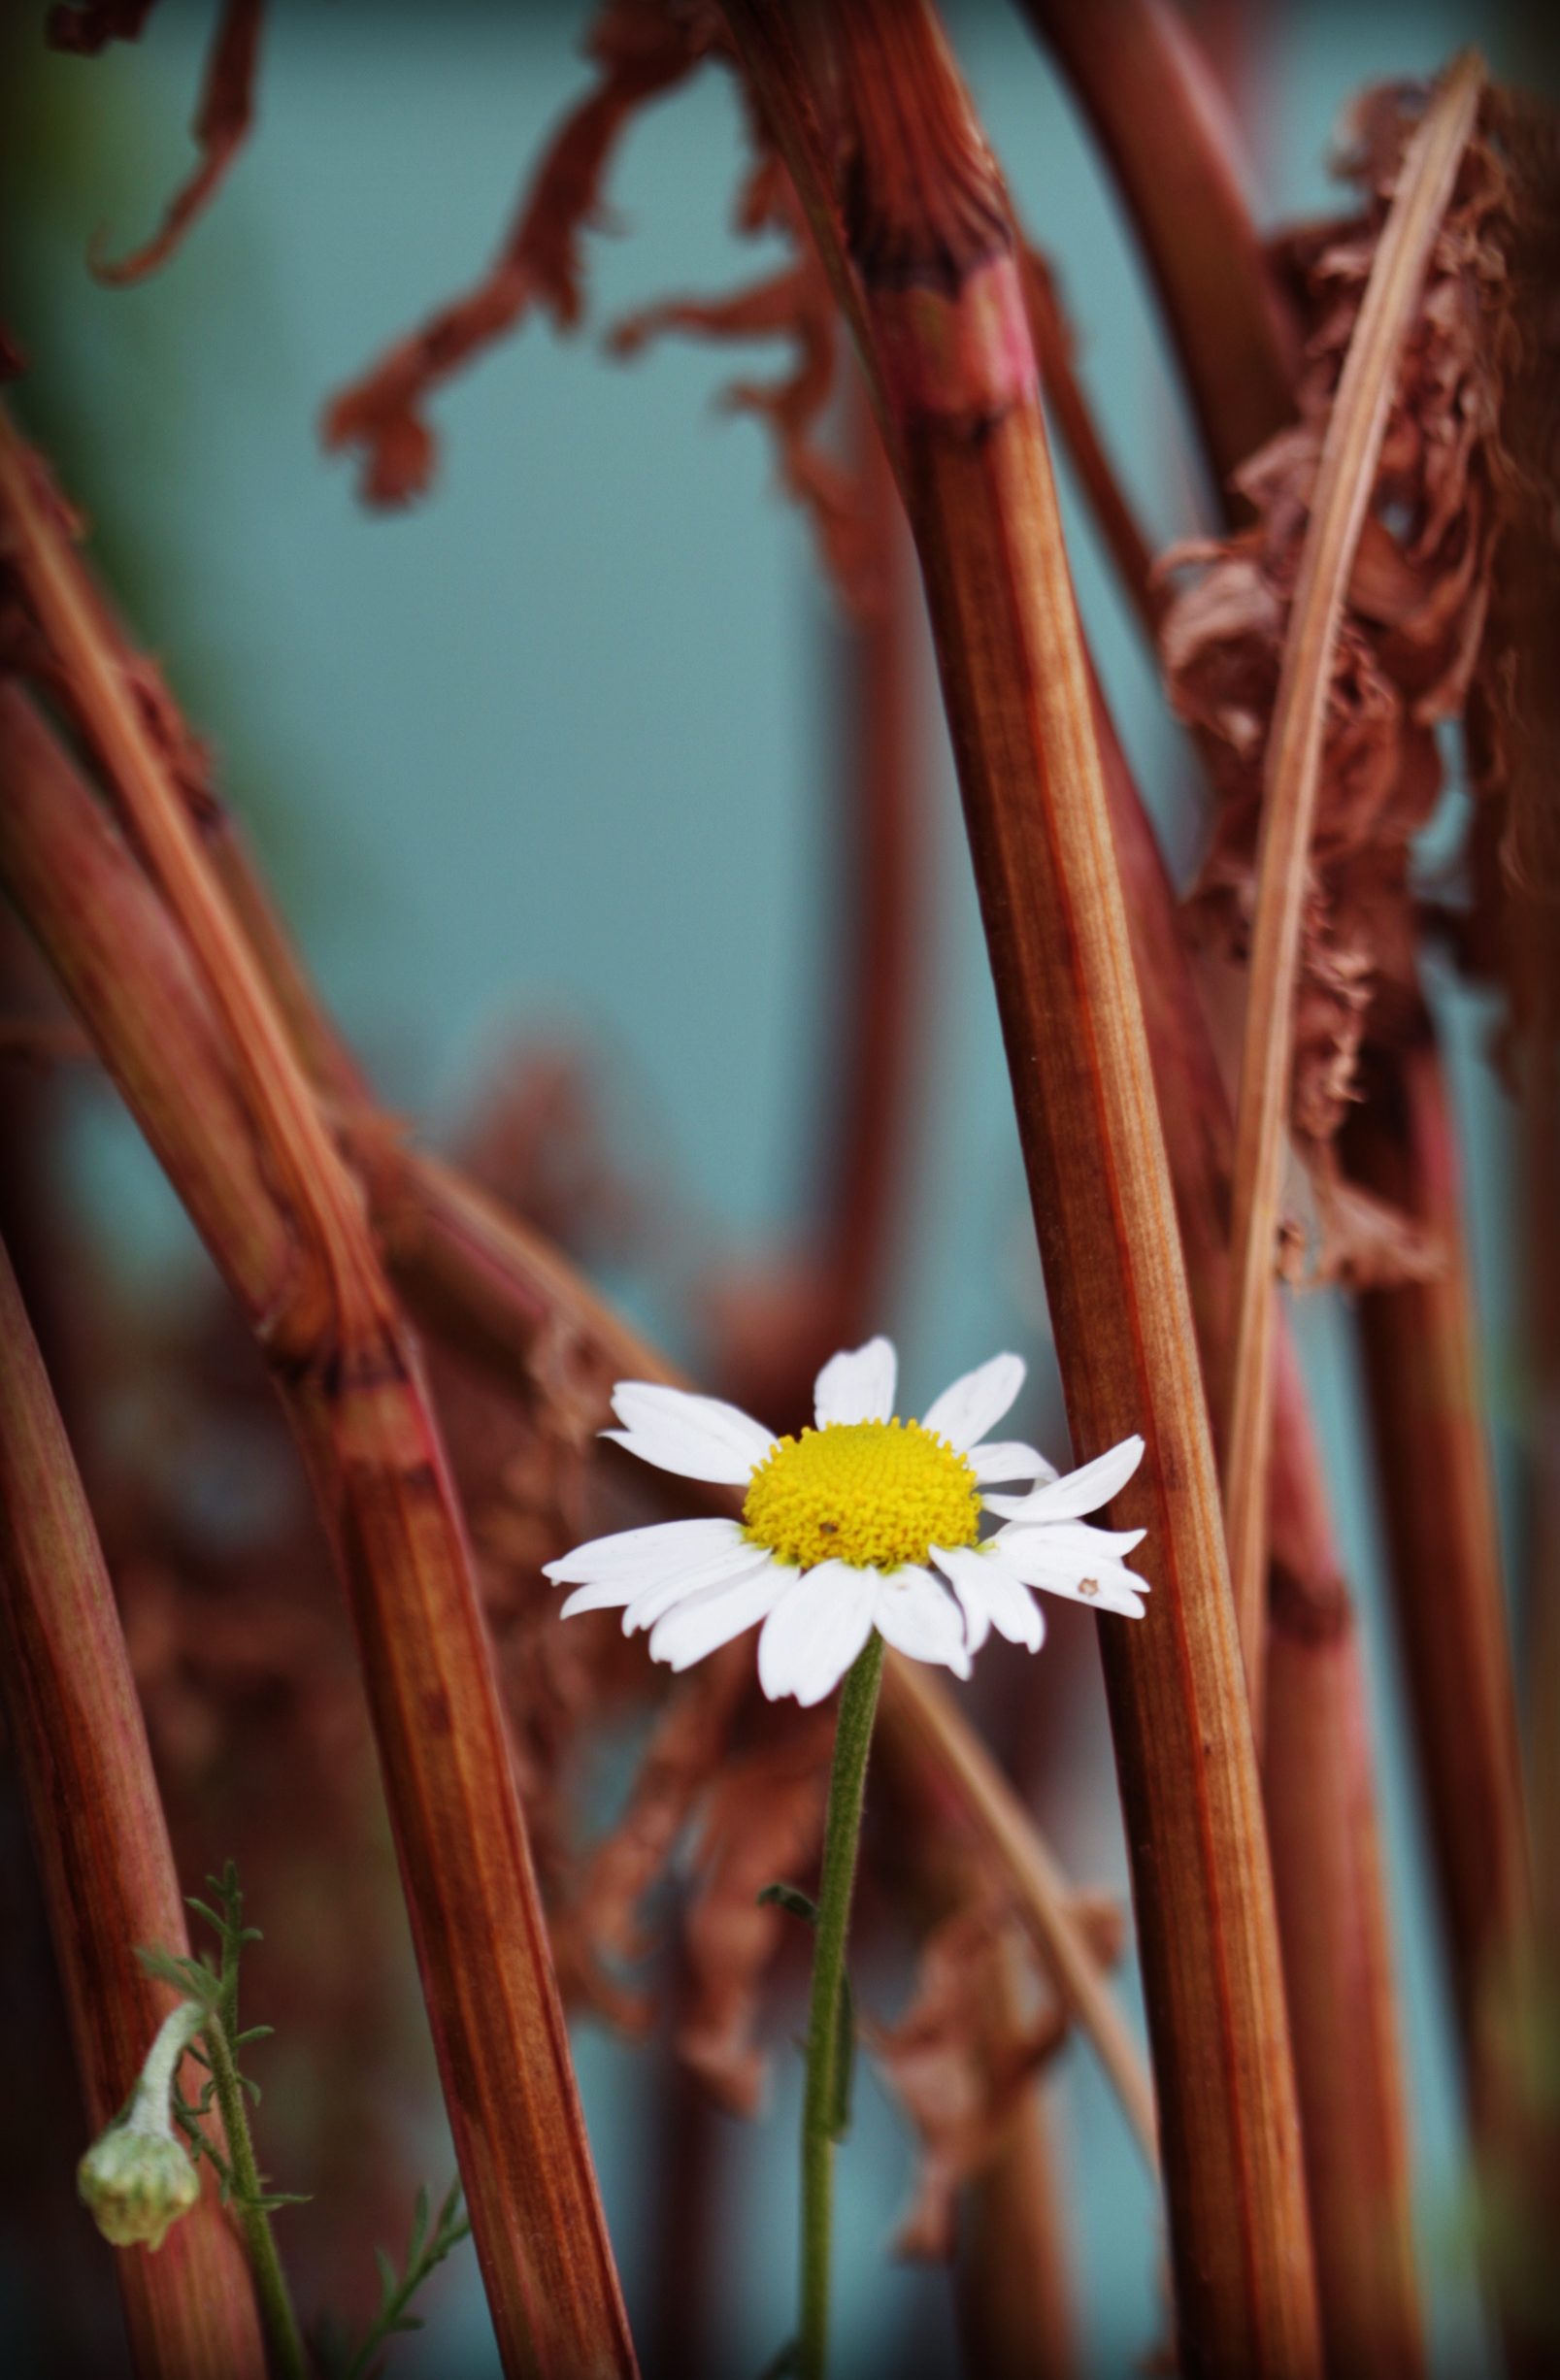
(966, 1412)
(609, 1594)
(1011, 1461)
(992, 1596)
(857, 1385)
(1079, 1491)
(714, 1615)
(651, 1602)
(697, 1437)
(638, 1555)
(815, 1631)
(1031, 1555)
(917, 1615)
(1080, 1537)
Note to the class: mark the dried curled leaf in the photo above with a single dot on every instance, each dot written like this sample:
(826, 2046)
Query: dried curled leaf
(764, 1821)
(601, 1920)
(87, 30)
(799, 305)
(1406, 645)
(221, 128)
(641, 50)
(981, 2023)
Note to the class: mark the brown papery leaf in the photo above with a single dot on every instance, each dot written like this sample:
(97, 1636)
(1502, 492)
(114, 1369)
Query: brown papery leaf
(764, 1825)
(981, 2023)
(640, 49)
(958, 2073)
(87, 30)
(1407, 642)
(1354, 445)
(686, 1747)
(221, 126)
(797, 304)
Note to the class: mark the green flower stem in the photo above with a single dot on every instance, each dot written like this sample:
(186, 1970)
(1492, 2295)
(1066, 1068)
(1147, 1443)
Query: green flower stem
(841, 1833)
(270, 2281)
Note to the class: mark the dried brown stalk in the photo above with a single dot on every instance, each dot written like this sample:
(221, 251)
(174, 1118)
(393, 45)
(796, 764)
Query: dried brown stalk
(777, 1325)
(104, 1857)
(929, 239)
(1162, 121)
(1331, 1917)
(1318, 1792)
(222, 127)
(1346, 479)
(349, 1377)
(1013, 2286)
(1420, 1346)
(1118, 523)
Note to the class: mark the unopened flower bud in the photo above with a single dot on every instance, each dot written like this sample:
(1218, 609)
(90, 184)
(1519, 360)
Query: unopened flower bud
(135, 2178)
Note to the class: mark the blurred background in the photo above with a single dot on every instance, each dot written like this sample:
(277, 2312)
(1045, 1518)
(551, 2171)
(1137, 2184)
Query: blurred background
(549, 773)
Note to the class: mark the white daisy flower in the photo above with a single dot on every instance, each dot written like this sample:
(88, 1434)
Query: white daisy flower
(864, 1522)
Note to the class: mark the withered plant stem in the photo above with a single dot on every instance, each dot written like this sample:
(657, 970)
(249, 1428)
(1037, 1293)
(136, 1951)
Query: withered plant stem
(104, 1858)
(1316, 1772)
(349, 1374)
(1344, 479)
(883, 750)
(1323, 1838)
(933, 254)
(1437, 1502)
(1070, 410)
(1155, 106)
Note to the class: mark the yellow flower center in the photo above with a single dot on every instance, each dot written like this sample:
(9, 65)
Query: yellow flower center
(871, 1493)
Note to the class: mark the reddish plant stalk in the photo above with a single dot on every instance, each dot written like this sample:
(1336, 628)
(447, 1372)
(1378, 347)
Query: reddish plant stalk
(104, 1857)
(885, 744)
(1157, 111)
(358, 1406)
(836, 1296)
(1316, 1767)
(1318, 1793)
(932, 252)
(1422, 1371)
(1012, 2284)
(1316, 1772)
(1118, 523)
(1463, 1711)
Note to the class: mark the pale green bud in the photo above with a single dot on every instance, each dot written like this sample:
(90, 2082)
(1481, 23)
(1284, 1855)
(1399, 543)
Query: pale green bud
(135, 2178)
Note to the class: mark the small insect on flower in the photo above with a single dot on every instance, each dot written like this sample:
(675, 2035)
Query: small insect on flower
(864, 1522)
